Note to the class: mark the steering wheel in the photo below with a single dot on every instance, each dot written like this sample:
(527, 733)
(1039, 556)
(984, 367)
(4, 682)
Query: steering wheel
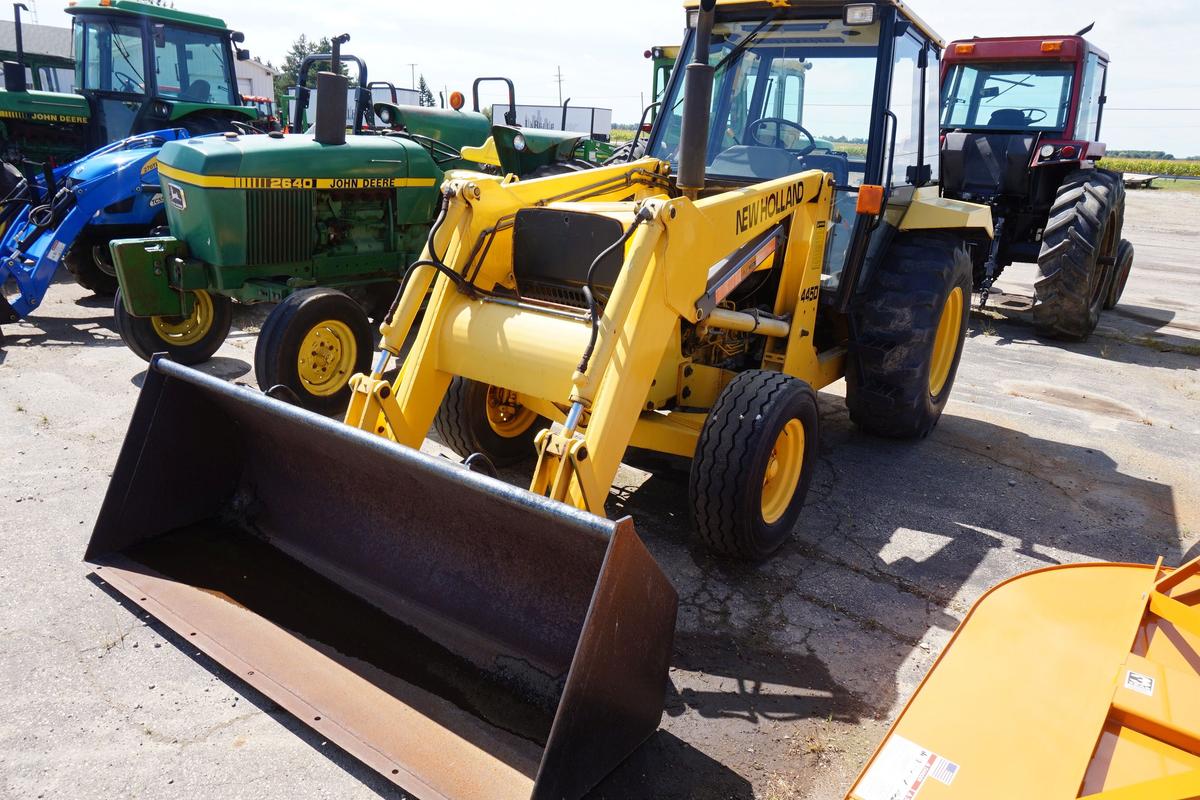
(1029, 113)
(128, 84)
(752, 133)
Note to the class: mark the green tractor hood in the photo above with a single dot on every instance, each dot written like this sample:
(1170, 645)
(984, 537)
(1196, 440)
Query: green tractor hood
(70, 109)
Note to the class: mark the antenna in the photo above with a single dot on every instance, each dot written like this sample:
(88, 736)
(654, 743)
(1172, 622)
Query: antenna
(1086, 30)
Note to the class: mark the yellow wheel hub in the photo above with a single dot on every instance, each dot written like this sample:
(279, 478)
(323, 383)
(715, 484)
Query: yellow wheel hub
(945, 344)
(783, 472)
(184, 331)
(505, 414)
(327, 357)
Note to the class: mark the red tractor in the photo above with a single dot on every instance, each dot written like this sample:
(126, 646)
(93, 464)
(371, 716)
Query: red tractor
(1021, 133)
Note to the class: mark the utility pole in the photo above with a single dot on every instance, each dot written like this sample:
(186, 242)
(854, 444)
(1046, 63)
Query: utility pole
(413, 67)
(559, 78)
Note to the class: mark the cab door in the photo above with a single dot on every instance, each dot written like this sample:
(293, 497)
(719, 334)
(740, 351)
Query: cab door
(113, 73)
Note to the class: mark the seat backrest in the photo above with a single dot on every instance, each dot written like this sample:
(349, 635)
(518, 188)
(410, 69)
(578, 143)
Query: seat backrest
(838, 165)
(1008, 118)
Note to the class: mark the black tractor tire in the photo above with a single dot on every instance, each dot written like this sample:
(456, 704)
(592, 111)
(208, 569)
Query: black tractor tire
(1076, 263)
(900, 367)
(90, 264)
(732, 509)
(465, 424)
(1120, 277)
(10, 179)
(340, 343)
(210, 322)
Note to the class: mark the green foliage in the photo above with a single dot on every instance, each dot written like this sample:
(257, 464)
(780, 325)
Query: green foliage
(289, 72)
(1147, 166)
(424, 95)
(1157, 155)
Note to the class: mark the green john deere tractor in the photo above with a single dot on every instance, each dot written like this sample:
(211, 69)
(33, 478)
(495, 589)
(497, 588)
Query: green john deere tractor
(138, 68)
(324, 224)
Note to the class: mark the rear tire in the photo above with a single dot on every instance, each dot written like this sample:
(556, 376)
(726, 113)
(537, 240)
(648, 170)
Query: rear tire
(87, 269)
(313, 343)
(477, 418)
(190, 340)
(754, 463)
(1120, 276)
(1074, 274)
(908, 336)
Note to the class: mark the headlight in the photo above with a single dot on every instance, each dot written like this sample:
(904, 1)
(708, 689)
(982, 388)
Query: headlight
(862, 14)
(519, 143)
(1047, 151)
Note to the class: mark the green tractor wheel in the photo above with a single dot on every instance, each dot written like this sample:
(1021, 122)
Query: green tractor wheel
(188, 340)
(313, 343)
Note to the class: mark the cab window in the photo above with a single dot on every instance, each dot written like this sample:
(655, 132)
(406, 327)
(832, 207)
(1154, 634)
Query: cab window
(113, 60)
(192, 66)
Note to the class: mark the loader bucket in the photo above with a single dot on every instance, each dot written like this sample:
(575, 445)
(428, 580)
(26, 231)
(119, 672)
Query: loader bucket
(464, 638)
(1068, 682)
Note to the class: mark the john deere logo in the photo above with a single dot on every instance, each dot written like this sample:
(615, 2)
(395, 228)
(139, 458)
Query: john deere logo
(178, 199)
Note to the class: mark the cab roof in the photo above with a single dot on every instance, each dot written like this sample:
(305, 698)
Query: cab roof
(1067, 49)
(904, 10)
(136, 8)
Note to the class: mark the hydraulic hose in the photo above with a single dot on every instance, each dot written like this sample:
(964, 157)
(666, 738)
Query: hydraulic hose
(589, 289)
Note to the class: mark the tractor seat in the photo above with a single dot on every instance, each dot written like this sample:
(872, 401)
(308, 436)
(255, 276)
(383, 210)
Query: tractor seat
(987, 165)
(198, 91)
(838, 165)
(1008, 118)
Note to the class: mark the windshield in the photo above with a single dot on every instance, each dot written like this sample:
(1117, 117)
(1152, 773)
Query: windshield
(788, 96)
(192, 65)
(1007, 97)
(112, 59)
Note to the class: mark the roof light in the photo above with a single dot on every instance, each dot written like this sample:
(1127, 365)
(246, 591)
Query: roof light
(1052, 47)
(964, 49)
(859, 14)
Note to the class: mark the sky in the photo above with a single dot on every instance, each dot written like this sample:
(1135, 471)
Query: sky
(1155, 47)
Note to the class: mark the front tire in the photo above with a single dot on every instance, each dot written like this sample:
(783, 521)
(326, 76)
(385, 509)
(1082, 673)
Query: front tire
(313, 343)
(477, 418)
(188, 340)
(90, 264)
(1078, 248)
(908, 335)
(754, 463)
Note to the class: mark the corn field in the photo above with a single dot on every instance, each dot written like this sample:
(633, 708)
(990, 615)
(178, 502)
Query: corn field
(1147, 166)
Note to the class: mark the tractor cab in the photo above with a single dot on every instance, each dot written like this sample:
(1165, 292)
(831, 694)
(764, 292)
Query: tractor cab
(1020, 125)
(850, 89)
(138, 68)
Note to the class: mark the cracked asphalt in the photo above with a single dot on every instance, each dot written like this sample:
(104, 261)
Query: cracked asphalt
(785, 676)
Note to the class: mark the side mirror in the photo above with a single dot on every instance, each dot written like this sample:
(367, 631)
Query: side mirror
(243, 55)
(237, 37)
(14, 77)
(160, 36)
(991, 91)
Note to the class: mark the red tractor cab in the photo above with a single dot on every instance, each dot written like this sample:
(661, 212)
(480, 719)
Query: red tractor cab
(1021, 133)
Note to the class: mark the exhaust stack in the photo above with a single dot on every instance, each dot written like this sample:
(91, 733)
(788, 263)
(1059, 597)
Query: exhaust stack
(697, 107)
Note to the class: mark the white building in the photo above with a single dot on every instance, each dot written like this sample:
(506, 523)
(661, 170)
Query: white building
(256, 79)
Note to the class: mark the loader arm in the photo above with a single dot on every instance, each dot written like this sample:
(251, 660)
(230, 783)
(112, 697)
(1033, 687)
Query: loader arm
(535, 349)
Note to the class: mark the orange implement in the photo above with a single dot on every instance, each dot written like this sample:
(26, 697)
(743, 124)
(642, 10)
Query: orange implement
(1068, 682)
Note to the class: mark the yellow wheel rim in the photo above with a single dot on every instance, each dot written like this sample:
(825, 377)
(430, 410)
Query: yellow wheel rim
(945, 344)
(184, 331)
(327, 357)
(505, 414)
(783, 472)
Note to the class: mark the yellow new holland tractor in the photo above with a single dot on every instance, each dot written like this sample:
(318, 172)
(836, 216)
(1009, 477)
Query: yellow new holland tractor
(692, 303)
(467, 638)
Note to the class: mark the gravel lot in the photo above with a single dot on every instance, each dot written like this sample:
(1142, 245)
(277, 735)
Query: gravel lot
(785, 676)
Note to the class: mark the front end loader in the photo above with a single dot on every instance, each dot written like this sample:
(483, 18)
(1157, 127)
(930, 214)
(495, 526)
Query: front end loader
(1098, 697)
(691, 303)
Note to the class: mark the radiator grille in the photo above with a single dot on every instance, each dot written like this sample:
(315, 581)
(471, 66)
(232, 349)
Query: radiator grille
(279, 226)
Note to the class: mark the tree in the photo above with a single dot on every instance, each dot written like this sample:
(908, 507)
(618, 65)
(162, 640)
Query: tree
(289, 72)
(424, 96)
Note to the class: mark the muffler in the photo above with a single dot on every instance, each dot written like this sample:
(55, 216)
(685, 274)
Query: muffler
(462, 637)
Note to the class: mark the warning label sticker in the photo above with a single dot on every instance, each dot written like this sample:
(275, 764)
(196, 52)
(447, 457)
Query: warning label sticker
(902, 769)
(56, 251)
(1137, 682)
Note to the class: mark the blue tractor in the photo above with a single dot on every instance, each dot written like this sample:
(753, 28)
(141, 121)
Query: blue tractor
(69, 215)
